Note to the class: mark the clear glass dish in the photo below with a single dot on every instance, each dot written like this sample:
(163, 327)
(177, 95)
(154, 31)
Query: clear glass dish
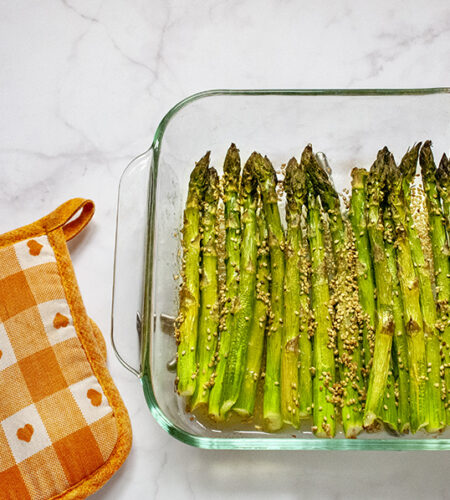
(348, 125)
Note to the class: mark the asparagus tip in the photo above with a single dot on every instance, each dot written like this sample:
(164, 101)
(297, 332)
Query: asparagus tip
(263, 169)
(426, 159)
(408, 163)
(359, 177)
(232, 166)
(205, 158)
(295, 184)
(443, 171)
(307, 154)
(199, 176)
(376, 180)
(393, 178)
(321, 183)
(443, 177)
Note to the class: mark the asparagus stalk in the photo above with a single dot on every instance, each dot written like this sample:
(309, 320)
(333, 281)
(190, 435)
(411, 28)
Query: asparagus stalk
(187, 322)
(209, 304)
(366, 280)
(294, 183)
(305, 397)
(245, 404)
(237, 357)
(383, 281)
(400, 345)
(411, 301)
(395, 419)
(324, 341)
(305, 390)
(440, 252)
(272, 391)
(347, 305)
(443, 185)
(389, 411)
(434, 403)
(231, 181)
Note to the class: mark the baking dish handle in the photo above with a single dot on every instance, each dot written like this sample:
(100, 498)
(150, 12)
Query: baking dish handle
(129, 262)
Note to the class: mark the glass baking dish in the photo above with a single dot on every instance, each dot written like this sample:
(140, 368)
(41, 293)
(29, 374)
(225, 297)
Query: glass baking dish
(350, 126)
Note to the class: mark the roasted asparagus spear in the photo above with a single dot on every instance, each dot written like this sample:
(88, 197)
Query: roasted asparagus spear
(209, 297)
(411, 300)
(272, 391)
(440, 252)
(305, 390)
(347, 304)
(231, 182)
(435, 405)
(324, 415)
(395, 418)
(294, 183)
(237, 356)
(443, 185)
(187, 321)
(245, 404)
(401, 423)
(366, 280)
(383, 282)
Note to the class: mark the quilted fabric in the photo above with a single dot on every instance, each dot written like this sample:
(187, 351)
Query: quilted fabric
(57, 426)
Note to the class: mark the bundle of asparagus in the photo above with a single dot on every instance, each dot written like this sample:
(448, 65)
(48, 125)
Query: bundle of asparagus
(341, 316)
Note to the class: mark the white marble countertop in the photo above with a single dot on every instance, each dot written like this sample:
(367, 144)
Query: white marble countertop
(83, 85)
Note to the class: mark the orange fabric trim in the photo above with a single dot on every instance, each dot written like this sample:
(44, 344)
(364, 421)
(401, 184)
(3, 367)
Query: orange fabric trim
(99, 338)
(61, 217)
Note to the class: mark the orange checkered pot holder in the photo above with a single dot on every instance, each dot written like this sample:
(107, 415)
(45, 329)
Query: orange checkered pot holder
(64, 430)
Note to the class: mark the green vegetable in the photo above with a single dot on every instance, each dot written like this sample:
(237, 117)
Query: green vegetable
(231, 181)
(383, 280)
(245, 404)
(342, 313)
(366, 280)
(443, 185)
(324, 416)
(237, 356)
(400, 357)
(294, 183)
(209, 303)
(434, 403)
(347, 306)
(187, 322)
(272, 392)
(305, 390)
(412, 312)
(440, 252)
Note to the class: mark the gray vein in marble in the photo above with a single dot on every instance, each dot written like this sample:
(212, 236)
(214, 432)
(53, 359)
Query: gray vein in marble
(96, 20)
(93, 19)
(94, 151)
(92, 154)
(399, 42)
